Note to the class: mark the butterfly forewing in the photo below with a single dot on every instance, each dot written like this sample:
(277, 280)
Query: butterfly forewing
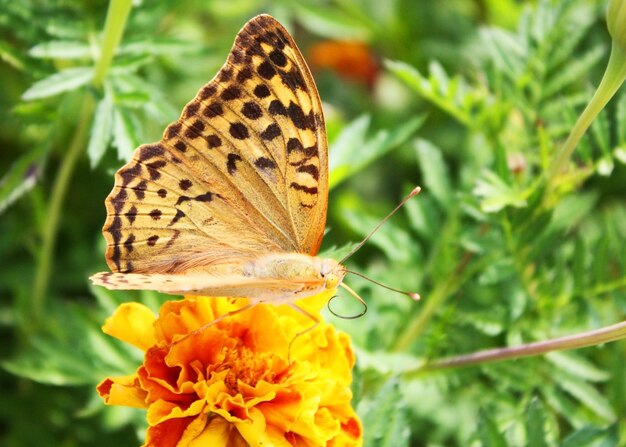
(242, 172)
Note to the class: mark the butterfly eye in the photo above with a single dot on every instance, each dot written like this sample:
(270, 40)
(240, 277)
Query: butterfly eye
(331, 281)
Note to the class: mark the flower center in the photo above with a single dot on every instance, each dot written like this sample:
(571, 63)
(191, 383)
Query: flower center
(248, 366)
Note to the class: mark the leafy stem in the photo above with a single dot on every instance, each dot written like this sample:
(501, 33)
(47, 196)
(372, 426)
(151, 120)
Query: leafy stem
(59, 189)
(117, 15)
(461, 273)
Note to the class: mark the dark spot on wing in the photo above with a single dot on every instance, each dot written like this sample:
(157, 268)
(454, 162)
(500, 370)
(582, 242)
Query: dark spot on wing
(251, 110)
(266, 70)
(156, 214)
(306, 189)
(264, 163)
(272, 131)
(261, 91)
(231, 163)
(239, 131)
(213, 141)
(185, 184)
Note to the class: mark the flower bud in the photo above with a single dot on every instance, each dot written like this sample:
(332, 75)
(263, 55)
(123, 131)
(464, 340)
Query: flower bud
(616, 22)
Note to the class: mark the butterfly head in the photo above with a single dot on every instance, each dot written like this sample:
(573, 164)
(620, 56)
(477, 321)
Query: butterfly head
(332, 272)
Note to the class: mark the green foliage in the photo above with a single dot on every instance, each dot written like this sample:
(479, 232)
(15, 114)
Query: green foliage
(471, 101)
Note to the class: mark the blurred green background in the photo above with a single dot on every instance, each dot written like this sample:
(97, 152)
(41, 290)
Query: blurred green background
(468, 98)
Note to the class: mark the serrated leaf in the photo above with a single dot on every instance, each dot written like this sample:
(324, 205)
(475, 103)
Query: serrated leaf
(160, 46)
(572, 72)
(434, 171)
(423, 216)
(61, 49)
(497, 272)
(496, 194)
(588, 396)
(62, 81)
(394, 241)
(101, 130)
(590, 436)
(435, 89)
(488, 433)
(331, 23)
(578, 366)
(385, 418)
(535, 422)
(353, 150)
(388, 362)
(124, 133)
(571, 210)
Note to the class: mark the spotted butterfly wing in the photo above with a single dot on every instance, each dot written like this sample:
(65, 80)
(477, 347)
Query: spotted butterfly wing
(242, 173)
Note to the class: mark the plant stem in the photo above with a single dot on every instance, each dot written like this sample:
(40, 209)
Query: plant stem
(59, 189)
(582, 340)
(614, 76)
(117, 15)
(439, 295)
(113, 29)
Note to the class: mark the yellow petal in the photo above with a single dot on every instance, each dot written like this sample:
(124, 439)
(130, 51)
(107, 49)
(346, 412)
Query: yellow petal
(132, 323)
(124, 390)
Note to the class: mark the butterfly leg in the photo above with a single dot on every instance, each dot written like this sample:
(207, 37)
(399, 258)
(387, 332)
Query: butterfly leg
(217, 320)
(307, 330)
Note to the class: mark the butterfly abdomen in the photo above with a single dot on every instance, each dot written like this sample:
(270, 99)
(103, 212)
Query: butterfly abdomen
(293, 267)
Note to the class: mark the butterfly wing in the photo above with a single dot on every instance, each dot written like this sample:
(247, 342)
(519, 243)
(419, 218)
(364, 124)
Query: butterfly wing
(258, 290)
(244, 170)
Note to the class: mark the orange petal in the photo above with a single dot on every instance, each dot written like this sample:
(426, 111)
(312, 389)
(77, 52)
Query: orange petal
(132, 323)
(168, 433)
(123, 390)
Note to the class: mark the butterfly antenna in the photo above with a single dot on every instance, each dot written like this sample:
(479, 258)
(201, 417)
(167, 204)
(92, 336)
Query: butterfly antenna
(413, 295)
(412, 194)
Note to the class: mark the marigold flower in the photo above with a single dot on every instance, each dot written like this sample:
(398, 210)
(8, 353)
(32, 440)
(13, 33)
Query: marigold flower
(237, 382)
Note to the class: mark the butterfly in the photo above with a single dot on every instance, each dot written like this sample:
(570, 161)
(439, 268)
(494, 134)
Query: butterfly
(232, 201)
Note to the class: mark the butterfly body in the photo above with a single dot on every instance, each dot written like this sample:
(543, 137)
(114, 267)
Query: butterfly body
(276, 277)
(232, 201)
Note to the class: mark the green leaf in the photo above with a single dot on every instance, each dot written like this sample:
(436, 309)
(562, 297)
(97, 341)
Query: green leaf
(22, 176)
(12, 56)
(385, 418)
(74, 352)
(488, 433)
(590, 436)
(571, 210)
(451, 96)
(124, 133)
(435, 172)
(588, 396)
(393, 240)
(353, 150)
(333, 23)
(423, 215)
(161, 46)
(577, 365)
(535, 422)
(572, 72)
(496, 194)
(101, 130)
(61, 49)
(62, 81)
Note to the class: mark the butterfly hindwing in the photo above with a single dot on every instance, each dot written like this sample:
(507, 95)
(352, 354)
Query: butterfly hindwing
(241, 173)
(258, 290)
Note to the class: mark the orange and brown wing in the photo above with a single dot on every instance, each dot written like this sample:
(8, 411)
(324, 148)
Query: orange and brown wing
(244, 170)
